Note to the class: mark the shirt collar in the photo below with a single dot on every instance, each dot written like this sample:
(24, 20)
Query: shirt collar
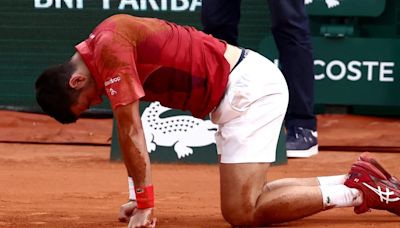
(87, 55)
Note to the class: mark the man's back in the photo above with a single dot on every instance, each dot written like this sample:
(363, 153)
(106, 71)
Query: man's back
(152, 59)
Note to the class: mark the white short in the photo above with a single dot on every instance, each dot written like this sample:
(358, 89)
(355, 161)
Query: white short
(251, 113)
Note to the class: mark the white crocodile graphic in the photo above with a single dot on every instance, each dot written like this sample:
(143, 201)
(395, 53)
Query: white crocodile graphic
(329, 3)
(180, 131)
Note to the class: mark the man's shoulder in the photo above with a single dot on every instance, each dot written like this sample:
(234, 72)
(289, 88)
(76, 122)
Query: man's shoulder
(119, 18)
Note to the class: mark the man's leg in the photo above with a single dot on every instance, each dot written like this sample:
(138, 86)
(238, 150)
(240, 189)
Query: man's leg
(323, 180)
(244, 202)
(367, 186)
(220, 18)
(290, 28)
(249, 124)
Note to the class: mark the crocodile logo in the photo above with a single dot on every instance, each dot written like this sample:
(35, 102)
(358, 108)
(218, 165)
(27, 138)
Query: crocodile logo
(329, 3)
(181, 131)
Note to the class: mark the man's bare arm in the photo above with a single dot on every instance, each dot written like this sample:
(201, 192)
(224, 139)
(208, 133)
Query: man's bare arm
(133, 144)
(137, 162)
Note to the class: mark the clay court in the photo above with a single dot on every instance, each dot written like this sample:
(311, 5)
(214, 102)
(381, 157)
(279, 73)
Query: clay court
(61, 176)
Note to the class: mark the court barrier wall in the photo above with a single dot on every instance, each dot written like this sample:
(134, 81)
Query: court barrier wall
(356, 53)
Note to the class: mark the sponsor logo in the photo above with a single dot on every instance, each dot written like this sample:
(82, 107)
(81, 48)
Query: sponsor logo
(136, 5)
(113, 92)
(182, 132)
(112, 81)
(329, 3)
(383, 195)
(353, 70)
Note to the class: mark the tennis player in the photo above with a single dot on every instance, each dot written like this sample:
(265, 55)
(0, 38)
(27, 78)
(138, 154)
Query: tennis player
(132, 59)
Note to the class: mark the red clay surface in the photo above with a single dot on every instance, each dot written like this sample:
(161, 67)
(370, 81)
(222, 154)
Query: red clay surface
(45, 185)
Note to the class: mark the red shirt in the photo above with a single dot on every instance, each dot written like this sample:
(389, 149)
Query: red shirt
(135, 58)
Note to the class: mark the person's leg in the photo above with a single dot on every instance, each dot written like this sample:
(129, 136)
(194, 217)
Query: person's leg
(220, 18)
(323, 180)
(244, 203)
(247, 140)
(290, 28)
(250, 117)
(366, 176)
(367, 186)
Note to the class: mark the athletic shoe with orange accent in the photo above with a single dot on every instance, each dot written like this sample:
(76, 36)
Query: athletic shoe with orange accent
(378, 192)
(367, 158)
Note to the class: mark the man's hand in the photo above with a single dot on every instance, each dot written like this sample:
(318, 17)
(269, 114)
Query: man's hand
(142, 218)
(126, 210)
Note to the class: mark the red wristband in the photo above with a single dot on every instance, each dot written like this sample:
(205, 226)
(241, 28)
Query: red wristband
(145, 197)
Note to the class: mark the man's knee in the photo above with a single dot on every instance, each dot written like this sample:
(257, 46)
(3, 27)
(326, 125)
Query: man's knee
(238, 216)
(248, 216)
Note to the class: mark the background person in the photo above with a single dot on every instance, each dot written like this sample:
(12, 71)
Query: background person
(290, 28)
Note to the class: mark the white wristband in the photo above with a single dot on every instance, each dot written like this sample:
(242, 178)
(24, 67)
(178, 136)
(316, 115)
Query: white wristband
(131, 186)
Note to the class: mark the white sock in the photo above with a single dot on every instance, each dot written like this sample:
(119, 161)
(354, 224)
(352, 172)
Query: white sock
(340, 196)
(332, 180)
(131, 186)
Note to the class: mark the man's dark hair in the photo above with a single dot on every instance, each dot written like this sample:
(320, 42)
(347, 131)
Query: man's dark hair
(54, 95)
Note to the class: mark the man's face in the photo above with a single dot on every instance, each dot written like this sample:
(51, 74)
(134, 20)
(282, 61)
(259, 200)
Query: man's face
(88, 97)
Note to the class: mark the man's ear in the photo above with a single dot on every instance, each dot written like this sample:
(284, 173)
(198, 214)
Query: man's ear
(77, 81)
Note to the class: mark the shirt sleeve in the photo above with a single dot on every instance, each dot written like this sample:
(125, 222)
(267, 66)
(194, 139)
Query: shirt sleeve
(115, 58)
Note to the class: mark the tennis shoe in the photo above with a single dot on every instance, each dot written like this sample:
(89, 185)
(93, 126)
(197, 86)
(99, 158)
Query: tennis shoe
(301, 142)
(378, 192)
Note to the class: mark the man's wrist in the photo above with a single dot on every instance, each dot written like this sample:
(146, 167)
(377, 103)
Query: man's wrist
(145, 197)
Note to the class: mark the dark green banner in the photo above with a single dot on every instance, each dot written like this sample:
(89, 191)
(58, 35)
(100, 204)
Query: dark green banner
(353, 71)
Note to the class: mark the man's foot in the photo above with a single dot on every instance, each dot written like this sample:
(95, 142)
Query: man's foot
(378, 192)
(301, 143)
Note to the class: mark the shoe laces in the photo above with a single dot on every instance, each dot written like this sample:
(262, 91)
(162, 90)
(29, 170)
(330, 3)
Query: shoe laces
(299, 132)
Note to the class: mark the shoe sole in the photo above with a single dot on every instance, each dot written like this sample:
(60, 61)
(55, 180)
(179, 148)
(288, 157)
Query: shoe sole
(367, 158)
(302, 153)
(370, 169)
